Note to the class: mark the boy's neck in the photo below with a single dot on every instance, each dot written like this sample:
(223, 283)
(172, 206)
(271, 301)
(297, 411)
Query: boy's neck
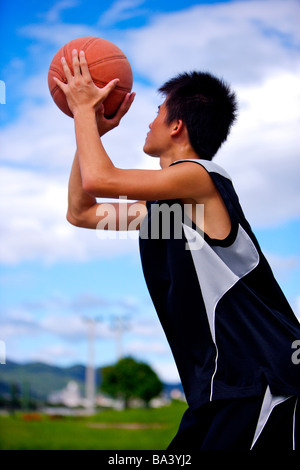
(182, 154)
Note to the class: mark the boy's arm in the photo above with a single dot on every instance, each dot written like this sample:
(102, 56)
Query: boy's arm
(84, 211)
(100, 178)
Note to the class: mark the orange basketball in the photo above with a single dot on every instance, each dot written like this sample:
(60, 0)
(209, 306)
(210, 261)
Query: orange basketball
(106, 62)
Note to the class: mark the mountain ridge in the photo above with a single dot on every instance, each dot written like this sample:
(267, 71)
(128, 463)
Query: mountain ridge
(42, 378)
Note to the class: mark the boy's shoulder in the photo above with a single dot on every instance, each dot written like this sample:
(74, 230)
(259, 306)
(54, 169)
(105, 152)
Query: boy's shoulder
(208, 165)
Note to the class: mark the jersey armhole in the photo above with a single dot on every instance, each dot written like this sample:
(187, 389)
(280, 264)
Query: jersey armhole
(212, 168)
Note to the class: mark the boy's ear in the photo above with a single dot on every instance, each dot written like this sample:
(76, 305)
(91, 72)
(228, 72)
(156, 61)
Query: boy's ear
(177, 127)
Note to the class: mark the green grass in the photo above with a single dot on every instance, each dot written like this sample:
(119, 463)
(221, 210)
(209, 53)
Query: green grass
(153, 430)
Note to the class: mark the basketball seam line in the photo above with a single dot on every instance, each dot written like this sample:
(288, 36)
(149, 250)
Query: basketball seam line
(117, 87)
(89, 42)
(107, 59)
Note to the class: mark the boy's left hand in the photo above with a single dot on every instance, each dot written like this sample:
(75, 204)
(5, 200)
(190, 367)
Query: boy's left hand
(104, 124)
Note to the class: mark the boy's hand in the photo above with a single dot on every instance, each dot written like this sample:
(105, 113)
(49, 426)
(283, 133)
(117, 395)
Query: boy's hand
(104, 124)
(82, 94)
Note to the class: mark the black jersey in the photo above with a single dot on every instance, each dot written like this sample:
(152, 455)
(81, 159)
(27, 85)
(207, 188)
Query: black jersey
(229, 325)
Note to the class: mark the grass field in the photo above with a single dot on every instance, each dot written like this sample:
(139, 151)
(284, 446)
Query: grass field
(132, 429)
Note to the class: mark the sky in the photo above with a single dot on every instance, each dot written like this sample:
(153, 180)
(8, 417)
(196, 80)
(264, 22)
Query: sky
(55, 277)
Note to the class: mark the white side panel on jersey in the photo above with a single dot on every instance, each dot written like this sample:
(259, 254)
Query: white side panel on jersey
(270, 401)
(219, 269)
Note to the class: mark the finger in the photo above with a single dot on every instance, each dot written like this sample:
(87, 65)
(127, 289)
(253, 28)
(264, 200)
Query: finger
(84, 66)
(75, 62)
(107, 89)
(66, 69)
(127, 102)
(100, 110)
(60, 84)
(122, 110)
(125, 105)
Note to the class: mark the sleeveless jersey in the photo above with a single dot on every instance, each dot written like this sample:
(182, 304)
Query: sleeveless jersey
(227, 321)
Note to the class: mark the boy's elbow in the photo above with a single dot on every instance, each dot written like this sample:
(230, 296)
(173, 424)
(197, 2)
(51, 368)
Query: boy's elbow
(89, 186)
(76, 221)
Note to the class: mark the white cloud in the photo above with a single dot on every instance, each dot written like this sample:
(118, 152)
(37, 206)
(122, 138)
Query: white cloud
(56, 34)
(147, 329)
(73, 327)
(141, 348)
(33, 222)
(262, 152)
(253, 45)
(53, 15)
(68, 317)
(33, 192)
(166, 370)
(241, 40)
(121, 10)
(17, 323)
(53, 327)
(41, 137)
(54, 352)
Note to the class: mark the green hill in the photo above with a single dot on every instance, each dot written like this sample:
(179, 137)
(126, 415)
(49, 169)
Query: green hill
(40, 378)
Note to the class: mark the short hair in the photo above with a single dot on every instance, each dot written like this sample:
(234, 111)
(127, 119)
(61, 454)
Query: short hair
(206, 105)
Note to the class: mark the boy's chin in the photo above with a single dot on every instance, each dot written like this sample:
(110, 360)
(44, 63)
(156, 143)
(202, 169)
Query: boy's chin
(148, 151)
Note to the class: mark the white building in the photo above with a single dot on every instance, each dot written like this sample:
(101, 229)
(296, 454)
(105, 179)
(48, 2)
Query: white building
(68, 396)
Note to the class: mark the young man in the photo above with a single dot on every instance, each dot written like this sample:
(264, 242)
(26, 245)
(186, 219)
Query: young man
(232, 332)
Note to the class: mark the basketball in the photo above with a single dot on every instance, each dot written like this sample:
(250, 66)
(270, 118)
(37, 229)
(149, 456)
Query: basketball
(106, 62)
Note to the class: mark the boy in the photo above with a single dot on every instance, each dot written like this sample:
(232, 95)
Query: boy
(228, 324)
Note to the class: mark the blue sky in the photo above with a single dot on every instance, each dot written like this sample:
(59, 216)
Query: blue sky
(52, 275)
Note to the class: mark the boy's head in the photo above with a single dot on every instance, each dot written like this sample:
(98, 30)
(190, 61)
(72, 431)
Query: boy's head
(207, 107)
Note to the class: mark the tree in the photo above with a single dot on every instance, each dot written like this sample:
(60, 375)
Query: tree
(129, 379)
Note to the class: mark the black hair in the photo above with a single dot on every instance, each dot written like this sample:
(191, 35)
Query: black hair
(206, 105)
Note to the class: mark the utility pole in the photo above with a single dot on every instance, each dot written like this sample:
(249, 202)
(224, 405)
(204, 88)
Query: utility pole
(120, 325)
(90, 379)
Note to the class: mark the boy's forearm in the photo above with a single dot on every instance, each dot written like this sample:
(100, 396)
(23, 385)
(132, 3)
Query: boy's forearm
(79, 200)
(83, 209)
(95, 164)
